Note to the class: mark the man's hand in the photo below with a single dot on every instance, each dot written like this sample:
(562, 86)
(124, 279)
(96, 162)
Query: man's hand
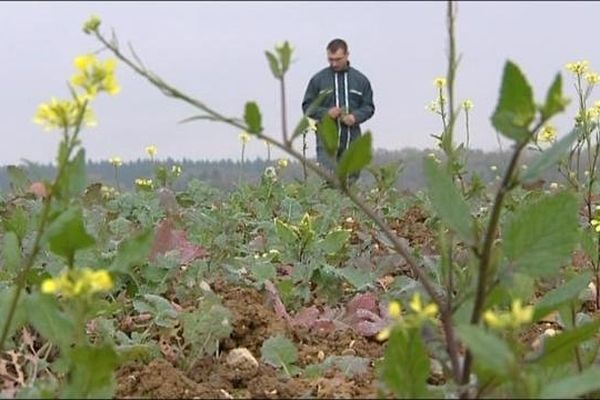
(349, 119)
(334, 112)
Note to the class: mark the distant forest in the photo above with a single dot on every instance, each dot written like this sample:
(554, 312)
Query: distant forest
(226, 174)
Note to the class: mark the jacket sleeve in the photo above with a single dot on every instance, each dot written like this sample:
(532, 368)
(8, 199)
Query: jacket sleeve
(311, 94)
(367, 108)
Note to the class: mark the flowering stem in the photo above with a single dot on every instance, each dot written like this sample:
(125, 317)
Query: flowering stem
(35, 249)
(508, 183)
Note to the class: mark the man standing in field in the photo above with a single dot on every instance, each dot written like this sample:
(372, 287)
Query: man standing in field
(350, 101)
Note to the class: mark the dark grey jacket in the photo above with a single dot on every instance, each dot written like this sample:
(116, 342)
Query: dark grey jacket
(353, 90)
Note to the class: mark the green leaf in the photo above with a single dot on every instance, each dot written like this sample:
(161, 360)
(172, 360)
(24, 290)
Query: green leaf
(285, 55)
(573, 386)
(515, 109)
(489, 351)
(551, 156)
(280, 352)
(540, 236)
(17, 222)
(160, 308)
(253, 118)
(205, 327)
(555, 102)
(43, 312)
(11, 252)
(406, 365)
(92, 373)
(303, 124)
(328, 132)
(350, 366)
(357, 156)
(19, 318)
(66, 234)
(447, 201)
(285, 233)
(262, 271)
(565, 293)
(133, 251)
(274, 64)
(333, 242)
(559, 349)
(358, 278)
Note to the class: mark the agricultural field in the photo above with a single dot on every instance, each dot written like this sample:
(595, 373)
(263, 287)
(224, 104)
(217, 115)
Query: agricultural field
(313, 287)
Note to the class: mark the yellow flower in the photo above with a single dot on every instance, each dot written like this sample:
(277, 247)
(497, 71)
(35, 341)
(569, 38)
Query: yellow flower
(517, 316)
(176, 170)
(439, 82)
(548, 134)
(429, 311)
(144, 183)
(282, 163)
(578, 67)
(244, 137)
(151, 150)
(467, 104)
(94, 76)
(77, 282)
(596, 224)
(63, 114)
(592, 78)
(394, 311)
(115, 161)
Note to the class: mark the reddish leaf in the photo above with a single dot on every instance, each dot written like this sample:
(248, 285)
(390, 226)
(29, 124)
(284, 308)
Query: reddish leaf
(168, 239)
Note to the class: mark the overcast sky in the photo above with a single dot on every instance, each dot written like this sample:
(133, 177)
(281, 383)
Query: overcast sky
(214, 51)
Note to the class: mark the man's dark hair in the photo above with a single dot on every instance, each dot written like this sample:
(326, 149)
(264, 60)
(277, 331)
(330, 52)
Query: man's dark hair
(337, 44)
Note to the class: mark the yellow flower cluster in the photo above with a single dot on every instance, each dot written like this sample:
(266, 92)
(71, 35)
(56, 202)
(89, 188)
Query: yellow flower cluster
(92, 24)
(578, 67)
(144, 183)
(421, 313)
(78, 282)
(63, 114)
(517, 316)
(108, 192)
(94, 76)
(592, 78)
(282, 163)
(547, 134)
(115, 161)
(176, 170)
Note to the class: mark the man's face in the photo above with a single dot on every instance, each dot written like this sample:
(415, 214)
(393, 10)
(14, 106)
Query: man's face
(338, 60)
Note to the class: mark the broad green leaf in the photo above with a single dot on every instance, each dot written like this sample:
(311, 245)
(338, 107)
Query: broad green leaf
(565, 293)
(253, 118)
(19, 318)
(263, 271)
(301, 127)
(559, 349)
(489, 351)
(44, 314)
(205, 327)
(447, 201)
(17, 222)
(350, 366)
(555, 102)
(333, 242)
(280, 352)
(328, 132)
(93, 372)
(11, 252)
(573, 386)
(285, 233)
(540, 237)
(357, 156)
(66, 234)
(303, 124)
(133, 251)
(274, 64)
(550, 156)
(588, 240)
(515, 109)
(358, 278)
(406, 364)
(160, 308)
